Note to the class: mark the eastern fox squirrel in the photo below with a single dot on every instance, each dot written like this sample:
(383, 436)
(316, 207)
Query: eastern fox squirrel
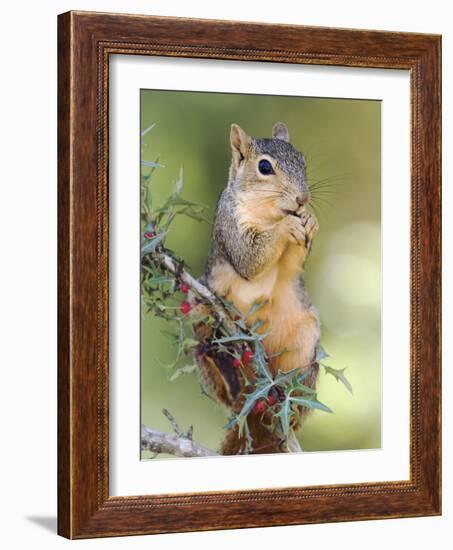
(261, 238)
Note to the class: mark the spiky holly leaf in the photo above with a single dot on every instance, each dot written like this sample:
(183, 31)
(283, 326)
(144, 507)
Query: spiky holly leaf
(284, 415)
(240, 323)
(286, 378)
(243, 430)
(320, 353)
(256, 306)
(261, 391)
(292, 380)
(310, 403)
(150, 246)
(240, 337)
(339, 376)
(260, 361)
(257, 325)
(230, 306)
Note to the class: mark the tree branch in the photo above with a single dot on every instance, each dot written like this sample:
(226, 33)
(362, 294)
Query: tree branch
(293, 444)
(181, 444)
(160, 442)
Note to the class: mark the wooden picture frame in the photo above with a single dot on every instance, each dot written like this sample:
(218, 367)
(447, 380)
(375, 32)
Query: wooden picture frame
(85, 42)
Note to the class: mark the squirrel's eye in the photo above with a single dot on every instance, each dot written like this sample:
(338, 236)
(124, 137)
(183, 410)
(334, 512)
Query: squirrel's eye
(265, 167)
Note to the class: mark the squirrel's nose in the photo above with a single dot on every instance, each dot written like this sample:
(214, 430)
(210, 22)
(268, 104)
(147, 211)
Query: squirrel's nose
(302, 199)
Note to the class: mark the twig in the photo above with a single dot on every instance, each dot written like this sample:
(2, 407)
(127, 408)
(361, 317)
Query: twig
(176, 428)
(292, 443)
(180, 444)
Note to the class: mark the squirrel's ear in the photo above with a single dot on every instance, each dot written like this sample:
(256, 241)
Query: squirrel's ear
(280, 131)
(239, 144)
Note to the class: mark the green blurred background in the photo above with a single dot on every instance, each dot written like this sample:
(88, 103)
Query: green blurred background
(340, 139)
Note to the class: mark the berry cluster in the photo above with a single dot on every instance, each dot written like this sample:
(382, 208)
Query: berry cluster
(245, 360)
(262, 404)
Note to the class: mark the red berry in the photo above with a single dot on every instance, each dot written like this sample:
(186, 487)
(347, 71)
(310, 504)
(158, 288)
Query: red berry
(247, 357)
(185, 307)
(149, 235)
(271, 400)
(184, 287)
(260, 406)
(237, 363)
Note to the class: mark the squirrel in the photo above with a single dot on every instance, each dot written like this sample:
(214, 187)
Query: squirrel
(262, 236)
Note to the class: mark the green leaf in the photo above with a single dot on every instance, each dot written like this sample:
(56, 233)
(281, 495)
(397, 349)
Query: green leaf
(149, 198)
(174, 336)
(149, 228)
(251, 398)
(189, 343)
(232, 421)
(236, 338)
(285, 414)
(310, 403)
(151, 164)
(256, 306)
(191, 213)
(257, 325)
(158, 280)
(284, 378)
(144, 132)
(177, 201)
(261, 363)
(339, 376)
(187, 369)
(200, 318)
(303, 388)
(261, 390)
(178, 184)
(150, 245)
(230, 306)
(320, 353)
(241, 324)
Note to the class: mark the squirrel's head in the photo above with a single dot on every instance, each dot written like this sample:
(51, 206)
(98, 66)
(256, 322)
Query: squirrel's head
(268, 173)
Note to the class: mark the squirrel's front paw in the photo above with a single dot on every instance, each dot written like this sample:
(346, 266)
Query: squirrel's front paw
(311, 225)
(295, 229)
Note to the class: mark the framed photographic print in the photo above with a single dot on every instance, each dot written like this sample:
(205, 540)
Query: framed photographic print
(249, 275)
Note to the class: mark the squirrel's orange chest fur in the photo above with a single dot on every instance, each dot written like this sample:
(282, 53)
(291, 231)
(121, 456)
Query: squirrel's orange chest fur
(289, 325)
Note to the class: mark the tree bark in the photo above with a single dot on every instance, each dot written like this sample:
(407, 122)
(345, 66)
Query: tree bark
(159, 442)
